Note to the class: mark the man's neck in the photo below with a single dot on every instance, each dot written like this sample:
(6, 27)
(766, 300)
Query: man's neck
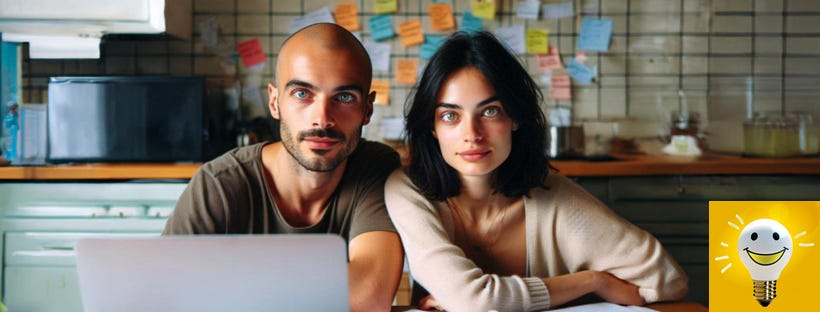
(301, 195)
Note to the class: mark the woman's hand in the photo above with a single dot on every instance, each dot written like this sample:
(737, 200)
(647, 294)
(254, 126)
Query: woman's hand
(429, 303)
(615, 290)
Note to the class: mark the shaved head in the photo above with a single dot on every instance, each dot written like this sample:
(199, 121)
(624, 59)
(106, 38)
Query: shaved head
(326, 37)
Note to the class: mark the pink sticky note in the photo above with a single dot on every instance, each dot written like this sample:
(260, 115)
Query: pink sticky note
(560, 81)
(580, 56)
(251, 53)
(561, 93)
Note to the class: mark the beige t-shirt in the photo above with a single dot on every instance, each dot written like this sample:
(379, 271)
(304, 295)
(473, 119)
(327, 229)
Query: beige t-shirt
(229, 195)
(567, 230)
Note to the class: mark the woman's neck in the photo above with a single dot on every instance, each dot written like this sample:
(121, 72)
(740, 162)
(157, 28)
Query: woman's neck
(479, 199)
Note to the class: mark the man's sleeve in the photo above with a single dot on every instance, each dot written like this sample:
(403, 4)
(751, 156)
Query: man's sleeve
(200, 209)
(369, 210)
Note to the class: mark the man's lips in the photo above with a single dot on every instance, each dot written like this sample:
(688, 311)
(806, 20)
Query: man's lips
(321, 143)
(474, 155)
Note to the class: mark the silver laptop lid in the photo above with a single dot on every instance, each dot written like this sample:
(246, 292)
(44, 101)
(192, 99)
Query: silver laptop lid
(214, 273)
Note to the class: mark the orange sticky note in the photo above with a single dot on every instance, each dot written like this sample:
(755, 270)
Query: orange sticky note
(347, 15)
(441, 16)
(406, 71)
(382, 88)
(548, 62)
(385, 6)
(483, 8)
(560, 87)
(411, 33)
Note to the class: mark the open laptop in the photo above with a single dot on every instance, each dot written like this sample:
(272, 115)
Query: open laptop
(214, 273)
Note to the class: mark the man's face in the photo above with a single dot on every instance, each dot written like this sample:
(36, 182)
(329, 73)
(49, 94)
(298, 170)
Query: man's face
(322, 103)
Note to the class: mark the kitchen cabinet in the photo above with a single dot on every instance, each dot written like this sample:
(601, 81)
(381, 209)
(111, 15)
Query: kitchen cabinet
(41, 222)
(675, 208)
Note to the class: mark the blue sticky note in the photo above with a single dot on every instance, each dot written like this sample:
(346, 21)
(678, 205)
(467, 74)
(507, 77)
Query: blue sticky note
(595, 34)
(580, 72)
(443, 1)
(431, 44)
(470, 23)
(381, 27)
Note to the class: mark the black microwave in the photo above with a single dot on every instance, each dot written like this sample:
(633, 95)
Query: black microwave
(125, 119)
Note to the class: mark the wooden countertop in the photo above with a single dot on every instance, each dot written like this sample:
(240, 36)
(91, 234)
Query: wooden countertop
(627, 165)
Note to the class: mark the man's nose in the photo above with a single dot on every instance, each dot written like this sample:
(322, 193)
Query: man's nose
(321, 113)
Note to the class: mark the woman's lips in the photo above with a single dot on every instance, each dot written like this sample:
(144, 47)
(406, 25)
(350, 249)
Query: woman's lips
(474, 155)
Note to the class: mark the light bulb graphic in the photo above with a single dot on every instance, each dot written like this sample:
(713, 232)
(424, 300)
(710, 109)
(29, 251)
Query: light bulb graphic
(764, 247)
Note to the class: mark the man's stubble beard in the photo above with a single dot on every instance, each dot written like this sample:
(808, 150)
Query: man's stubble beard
(318, 163)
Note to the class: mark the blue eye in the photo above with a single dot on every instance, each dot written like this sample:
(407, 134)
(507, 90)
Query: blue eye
(345, 98)
(300, 94)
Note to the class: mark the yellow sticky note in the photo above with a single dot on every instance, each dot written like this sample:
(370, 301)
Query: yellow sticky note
(441, 16)
(411, 33)
(483, 8)
(385, 6)
(537, 41)
(347, 15)
(406, 71)
(382, 88)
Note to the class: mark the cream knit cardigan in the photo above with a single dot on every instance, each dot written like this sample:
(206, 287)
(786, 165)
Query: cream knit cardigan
(567, 230)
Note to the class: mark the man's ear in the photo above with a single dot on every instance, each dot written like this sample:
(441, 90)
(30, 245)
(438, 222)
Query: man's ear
(273, 104)
(368, 107)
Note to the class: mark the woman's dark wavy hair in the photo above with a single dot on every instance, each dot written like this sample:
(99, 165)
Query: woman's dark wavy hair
(526, 167)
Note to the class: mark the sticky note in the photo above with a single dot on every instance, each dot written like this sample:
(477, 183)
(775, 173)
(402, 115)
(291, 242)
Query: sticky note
(560, 80)
(595, 34)
(208, 32)
(406, 71)
(558, 10)
(580, 72)
(513, 37)
(537, 41)
(550, 61)
(322, 15)
(382, 88)
(411, 33)
(430, 46)
(483, 8)
(379, 55)
(443, 1)
(381, 27)
(385, 6)
(528, 9)
(441, 16)
(470, 23)
(251, 53)
(347, 15)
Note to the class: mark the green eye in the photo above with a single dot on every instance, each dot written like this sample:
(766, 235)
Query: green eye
(345, 98)
(491, 112)
(448, 116)
(300, 94)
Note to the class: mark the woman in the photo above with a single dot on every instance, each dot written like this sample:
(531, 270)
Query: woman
(483, 222)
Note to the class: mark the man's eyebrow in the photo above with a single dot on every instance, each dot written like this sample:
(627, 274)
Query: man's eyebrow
(349, 87)
(300, 83)
(480, 104)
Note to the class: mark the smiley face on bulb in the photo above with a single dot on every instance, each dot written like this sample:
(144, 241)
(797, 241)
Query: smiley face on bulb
(765, 247)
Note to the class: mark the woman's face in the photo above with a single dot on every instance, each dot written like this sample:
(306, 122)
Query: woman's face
(472, 128)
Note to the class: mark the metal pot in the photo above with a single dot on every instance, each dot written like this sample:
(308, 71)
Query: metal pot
(566, 142)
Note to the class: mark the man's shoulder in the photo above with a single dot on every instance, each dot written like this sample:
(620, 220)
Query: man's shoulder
(374, 155)
(236, 159)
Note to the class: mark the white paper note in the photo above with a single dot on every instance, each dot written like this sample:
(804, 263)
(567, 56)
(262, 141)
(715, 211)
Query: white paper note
(558, 10)
(528, 9)
(379, 55)
(513, 36)
(323, 15)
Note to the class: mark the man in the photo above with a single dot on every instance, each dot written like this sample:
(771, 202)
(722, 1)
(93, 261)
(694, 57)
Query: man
(321, 178)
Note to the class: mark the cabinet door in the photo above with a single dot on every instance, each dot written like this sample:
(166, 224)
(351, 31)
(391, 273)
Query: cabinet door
(42, 289)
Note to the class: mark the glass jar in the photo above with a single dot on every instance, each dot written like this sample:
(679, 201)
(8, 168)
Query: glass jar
(771, 134)
(806, 133)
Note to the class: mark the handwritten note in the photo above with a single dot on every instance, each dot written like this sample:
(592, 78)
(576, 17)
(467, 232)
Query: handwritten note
(406, 71)
(430, 46)
(322, 15)
(537, 41)
(558, 10)
(347, 15)
(385, 6)
(382, 88)
(560, 87)
(411, 33)
(580, 72)
(441, 16)
(251, 53)
(208, 32)
(381, 27)
(513, 37)
(528, 9)
(595, 34)
(379, 55)
(470, 23)
(550, 61)
(483, 8)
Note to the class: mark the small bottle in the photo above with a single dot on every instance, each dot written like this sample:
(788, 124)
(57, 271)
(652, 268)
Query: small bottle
(11, 126)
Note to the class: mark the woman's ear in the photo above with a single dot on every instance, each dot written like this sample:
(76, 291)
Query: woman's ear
(434, 134)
